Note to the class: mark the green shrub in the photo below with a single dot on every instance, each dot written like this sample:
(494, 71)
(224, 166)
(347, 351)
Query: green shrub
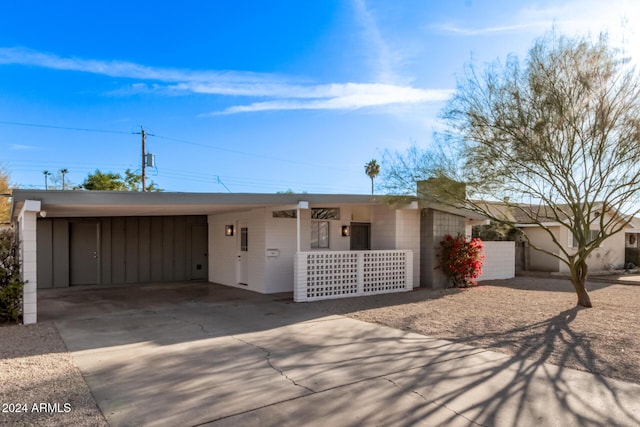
(10, 282)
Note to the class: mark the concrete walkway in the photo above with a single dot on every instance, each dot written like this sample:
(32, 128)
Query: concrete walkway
(200, 354)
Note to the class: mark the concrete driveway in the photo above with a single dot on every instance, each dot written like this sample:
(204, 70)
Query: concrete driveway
(195, 354)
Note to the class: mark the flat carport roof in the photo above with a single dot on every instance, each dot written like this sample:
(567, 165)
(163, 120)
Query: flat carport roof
(84, 203)
(81, 203)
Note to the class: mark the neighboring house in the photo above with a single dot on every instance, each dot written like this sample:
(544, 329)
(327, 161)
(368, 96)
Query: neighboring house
(611, 254)
(632, 234)
(318, 246)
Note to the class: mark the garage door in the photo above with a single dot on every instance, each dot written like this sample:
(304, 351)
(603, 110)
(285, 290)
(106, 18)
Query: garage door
(119, 250)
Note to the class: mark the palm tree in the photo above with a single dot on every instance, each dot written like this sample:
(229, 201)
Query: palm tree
(46, 174)
(63, 172)
(372, 169)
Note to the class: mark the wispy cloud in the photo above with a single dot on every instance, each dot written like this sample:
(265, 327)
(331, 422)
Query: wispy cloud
(21, 147)
(620, 19)
(347, 97)
(284, 93)
(469, 31)
(383, 58)
(124, 69)
(573, 17)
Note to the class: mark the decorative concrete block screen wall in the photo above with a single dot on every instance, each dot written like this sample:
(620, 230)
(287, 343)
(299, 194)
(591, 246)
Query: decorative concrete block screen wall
(499, 261)
(339, 274)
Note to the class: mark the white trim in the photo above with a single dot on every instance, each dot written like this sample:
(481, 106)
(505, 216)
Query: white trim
(30, 206)
(301, 205)
(28, 248)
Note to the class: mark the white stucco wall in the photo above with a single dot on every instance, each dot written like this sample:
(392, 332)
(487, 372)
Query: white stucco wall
(540, 261)
(273, 242)
(280, 236)
(499, 261)
(383, 228)
(609, 254)
(224, 250)
(408, 237)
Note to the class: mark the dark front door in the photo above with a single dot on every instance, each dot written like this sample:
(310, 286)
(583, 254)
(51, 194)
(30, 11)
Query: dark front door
(360, 236)
(199, 250)
(83, 253)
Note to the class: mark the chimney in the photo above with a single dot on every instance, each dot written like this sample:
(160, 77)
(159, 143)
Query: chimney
(441, 189)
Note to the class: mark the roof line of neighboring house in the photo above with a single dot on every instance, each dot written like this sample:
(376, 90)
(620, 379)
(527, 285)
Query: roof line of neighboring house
(524, 213)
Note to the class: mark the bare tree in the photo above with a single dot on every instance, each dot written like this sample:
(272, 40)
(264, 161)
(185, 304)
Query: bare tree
(554, 139)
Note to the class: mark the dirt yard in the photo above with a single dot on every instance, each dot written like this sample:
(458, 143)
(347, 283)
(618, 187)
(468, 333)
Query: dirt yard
(527, 317)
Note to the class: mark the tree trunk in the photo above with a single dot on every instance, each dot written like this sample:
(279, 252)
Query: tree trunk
(579, 280)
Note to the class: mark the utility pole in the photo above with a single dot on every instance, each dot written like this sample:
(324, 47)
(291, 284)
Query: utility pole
(144, 184)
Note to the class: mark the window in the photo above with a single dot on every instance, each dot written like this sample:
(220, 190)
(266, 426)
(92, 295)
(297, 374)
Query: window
(291, 213)
(325, 213)
(244, 239)
(319, 234)
(593, 235)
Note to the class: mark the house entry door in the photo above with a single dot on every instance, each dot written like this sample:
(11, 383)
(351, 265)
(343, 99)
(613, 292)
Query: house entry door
(360, 236)
(83, 253)
(243, 254)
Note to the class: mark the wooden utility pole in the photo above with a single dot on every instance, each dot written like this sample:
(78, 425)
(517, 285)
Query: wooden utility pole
(144, 184)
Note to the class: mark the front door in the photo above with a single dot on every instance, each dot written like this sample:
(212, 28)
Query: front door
(360, 236)
(83, 253)
(243, 255)
(199, 250)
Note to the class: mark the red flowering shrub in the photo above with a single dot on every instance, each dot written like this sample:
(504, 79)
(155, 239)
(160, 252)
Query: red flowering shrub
(461, 260)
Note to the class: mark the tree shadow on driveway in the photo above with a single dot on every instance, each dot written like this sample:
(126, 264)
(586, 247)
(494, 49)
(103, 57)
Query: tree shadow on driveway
(263, 362)
(523, 389)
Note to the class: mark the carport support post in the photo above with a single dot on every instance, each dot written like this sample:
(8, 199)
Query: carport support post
(28, 259)
(301, 205)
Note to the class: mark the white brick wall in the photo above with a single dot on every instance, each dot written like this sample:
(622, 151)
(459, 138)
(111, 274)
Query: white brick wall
(499, 261)
(28, 249)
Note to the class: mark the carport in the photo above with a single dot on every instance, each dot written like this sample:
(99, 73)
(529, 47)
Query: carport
(317, 245)
(70, 238)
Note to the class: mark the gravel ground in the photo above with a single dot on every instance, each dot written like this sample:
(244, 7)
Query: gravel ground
(532, 318)
(39, 383)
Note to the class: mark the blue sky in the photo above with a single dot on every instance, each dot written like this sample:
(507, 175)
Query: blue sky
(252, 96)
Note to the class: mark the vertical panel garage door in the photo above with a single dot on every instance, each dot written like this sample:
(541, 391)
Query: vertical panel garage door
(121, 250)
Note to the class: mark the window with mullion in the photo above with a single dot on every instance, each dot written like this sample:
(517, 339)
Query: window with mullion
(320, 234)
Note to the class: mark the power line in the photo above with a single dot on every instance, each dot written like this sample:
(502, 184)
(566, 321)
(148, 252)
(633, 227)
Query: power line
(177, 174)
(36, 125)
(261, 156)
(183, 141)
